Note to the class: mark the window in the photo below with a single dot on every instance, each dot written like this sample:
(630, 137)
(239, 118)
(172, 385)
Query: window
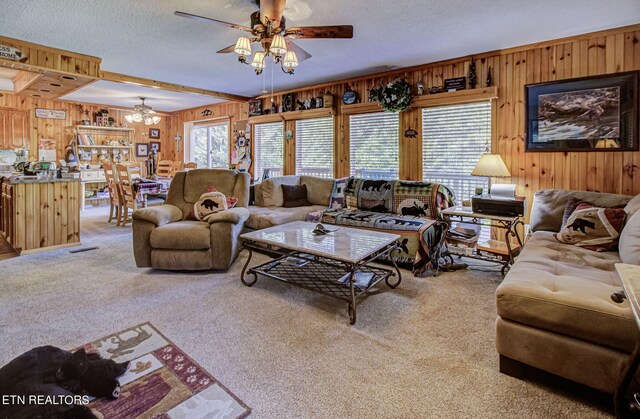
(209, 144)
(268, 149)
(314, 147)
(374, 145)
(453, 139)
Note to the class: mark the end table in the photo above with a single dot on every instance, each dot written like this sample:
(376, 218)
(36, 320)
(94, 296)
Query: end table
(465, 215)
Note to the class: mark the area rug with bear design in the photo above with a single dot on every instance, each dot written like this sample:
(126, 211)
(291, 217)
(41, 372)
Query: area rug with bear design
(161, 381)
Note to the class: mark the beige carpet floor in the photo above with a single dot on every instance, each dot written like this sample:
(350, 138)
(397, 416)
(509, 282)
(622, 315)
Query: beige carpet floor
(425, 349)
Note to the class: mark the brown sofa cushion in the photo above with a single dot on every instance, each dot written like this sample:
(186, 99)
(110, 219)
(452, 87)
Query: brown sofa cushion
(295, 196)
(566, 289)
(272, 191)
(182, 235)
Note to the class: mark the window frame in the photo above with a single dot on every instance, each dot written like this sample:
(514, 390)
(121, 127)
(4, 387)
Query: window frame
(332, 169)
(189, 148)
(349, 126)
(254, 139)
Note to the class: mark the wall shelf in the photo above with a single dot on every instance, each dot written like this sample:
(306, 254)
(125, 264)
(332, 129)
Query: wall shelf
(97, 128)
(104, 146)
(293, 115)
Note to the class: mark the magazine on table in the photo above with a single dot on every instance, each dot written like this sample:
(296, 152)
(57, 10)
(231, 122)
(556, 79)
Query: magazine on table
(362, 281)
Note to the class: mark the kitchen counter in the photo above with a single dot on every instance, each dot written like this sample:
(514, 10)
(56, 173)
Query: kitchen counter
(40, 214)
(19, 179)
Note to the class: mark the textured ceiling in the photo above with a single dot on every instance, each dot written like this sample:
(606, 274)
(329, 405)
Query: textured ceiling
(143, 37)
(127, 95)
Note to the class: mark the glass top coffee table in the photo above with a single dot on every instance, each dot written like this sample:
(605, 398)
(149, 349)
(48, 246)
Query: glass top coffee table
(336, 264)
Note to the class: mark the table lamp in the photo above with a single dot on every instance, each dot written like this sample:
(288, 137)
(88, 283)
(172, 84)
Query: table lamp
(490, 165)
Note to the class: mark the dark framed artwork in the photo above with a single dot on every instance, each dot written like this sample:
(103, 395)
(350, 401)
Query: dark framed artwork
(598, 113)
(255, 107)
(154, 145)
(142, 149)
(154, 133)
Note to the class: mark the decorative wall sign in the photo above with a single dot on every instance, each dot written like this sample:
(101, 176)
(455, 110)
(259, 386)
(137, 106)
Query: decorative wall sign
(155, 146)
(585, 114)
(11, 53)
(50, 114)
(46, 149)
(206, 112)
(411, 133)
(288, 134)
(154, 133)
(455, 84)
(142, 149)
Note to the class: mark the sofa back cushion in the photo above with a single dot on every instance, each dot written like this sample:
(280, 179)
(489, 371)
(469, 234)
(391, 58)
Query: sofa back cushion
(271, 190)
(318, 189)
(633, 206)
(629, 244)
(593, 228)
(549, 205)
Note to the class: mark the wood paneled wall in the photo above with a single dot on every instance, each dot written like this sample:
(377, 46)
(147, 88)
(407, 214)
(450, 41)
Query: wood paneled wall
(62, 130)
(609, 51)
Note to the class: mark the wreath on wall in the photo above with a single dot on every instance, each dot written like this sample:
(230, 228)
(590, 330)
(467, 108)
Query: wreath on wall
(394, 97)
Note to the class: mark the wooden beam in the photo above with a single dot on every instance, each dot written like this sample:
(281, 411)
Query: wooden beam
(24, 79)
(139, 81)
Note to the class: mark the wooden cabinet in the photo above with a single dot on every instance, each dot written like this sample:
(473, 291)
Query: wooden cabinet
(14, 128)
(6, 212)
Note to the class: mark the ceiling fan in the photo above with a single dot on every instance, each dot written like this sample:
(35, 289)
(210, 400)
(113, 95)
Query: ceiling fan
(268, 28)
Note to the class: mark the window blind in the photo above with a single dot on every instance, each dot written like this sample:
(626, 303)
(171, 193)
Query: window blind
(314, 147)
(374, 148)
(453, 139)
(268, 149)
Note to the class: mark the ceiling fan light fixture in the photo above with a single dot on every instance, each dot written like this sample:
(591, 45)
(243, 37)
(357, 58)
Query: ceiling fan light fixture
(258, 60)
(243, 46)
(137, 117)
(129, 118)
(155, 119)
(290, 60)
(278, 45)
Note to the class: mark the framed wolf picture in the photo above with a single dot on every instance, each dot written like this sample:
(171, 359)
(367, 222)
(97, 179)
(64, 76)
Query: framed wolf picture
(597, 113)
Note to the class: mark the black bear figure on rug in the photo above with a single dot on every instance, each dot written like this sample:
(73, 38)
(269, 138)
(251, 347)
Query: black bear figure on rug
(50, 372)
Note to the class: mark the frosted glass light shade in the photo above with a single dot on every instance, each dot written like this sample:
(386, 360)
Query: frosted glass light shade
(137, 117)
(290, 60)
(278, 45)
(491, 165)
(258, 60)
(129, 118)
(243, 46)
(156, 119)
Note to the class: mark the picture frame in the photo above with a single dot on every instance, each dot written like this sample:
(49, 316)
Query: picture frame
(597, 113)
(142, 149)
(155, 146)
(154, 133)
(255, 107)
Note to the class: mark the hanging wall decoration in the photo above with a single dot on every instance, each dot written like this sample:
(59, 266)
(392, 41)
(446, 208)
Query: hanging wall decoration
(394, 97)
(473, 78)
(489, 77)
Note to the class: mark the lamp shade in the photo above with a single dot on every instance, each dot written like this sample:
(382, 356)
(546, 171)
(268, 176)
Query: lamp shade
(278, 45)
(243, 46)
(129, 118)
(491, 165)
(290, 60)
(258, 60)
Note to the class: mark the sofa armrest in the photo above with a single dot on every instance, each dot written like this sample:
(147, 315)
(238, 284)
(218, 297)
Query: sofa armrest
(160, 215)
(232, 215)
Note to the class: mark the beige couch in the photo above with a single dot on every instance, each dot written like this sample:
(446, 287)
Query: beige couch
(554, 307)
(268, 211)
(163, 238)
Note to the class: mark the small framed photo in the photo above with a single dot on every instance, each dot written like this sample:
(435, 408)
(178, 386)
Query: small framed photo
(142, 149)
(154, 133)
(155, 146)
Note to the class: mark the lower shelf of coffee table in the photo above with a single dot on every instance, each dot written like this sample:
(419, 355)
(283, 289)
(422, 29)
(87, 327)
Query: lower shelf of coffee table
(319, 274)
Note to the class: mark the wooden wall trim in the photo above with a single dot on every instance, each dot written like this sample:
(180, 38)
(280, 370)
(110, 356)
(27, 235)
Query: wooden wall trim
(452, 98)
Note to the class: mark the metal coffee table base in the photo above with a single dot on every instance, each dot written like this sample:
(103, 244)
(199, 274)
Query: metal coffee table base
(321, 274)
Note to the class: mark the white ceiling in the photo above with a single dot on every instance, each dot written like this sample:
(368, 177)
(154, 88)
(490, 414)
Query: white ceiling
(143, 38)
(127, 95)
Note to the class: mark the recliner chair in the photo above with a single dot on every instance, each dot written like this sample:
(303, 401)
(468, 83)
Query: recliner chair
(164, 239)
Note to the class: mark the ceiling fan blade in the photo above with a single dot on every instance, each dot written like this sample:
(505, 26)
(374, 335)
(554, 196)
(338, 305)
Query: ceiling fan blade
(208, 19)
(300, 53)
(227, 50)
(272, 10)
(338, 31)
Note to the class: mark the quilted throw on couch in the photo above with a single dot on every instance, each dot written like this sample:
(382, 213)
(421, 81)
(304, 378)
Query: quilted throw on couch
(410, 209)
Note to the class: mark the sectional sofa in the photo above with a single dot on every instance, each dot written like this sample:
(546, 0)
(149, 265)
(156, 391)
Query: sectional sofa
(554, 307)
